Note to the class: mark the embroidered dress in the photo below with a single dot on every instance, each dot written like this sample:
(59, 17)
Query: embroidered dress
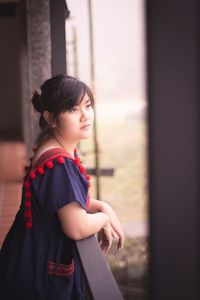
(37, 261)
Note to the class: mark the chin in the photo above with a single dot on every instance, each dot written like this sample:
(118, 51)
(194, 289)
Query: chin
(85, 137)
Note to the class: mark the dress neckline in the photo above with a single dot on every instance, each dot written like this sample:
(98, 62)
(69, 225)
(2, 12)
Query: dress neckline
(53, 151)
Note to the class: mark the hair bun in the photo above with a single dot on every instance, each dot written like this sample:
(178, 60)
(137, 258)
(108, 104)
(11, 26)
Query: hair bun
(36, 101)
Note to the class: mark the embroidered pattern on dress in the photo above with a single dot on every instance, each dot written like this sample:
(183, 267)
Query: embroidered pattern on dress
(43, 161)
(61, 269)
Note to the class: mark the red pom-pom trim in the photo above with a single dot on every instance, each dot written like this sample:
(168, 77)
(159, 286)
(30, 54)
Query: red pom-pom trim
(29, 224)
(28, 204)
(30, 158)
(87, 176)
(27, 184)
(28, 194)
(49, 164)
(77, 160)
(26, 168)
(60, 160)
(32, 175)
(40, 170)
(28, 214)
(82, 169)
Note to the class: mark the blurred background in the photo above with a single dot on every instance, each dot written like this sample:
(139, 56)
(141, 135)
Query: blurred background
(115, 68)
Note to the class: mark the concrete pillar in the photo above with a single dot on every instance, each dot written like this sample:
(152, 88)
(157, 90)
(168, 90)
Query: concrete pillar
(35, 60)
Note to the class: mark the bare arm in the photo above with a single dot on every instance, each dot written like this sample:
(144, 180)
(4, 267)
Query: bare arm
(101, 206)
(77, 224)
(95, 206)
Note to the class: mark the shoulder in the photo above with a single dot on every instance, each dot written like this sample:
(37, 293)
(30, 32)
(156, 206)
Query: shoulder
(53, 159)
(48, 159)
(56, 179)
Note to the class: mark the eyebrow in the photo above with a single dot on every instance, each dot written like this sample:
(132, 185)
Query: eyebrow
(88, 100)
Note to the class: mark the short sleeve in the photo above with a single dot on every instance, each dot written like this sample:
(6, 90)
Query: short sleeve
(59, 186)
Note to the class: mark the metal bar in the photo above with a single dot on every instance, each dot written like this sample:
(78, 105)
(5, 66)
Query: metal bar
(92, 71)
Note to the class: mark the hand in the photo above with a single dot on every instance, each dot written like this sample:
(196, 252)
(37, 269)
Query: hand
(105, 236)
(115, 224)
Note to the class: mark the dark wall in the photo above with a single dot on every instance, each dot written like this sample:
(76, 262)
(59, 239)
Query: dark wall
(10, 98)
(173, 36)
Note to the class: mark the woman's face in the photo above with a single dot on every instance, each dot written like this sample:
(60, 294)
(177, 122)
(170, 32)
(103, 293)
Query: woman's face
(71, 122)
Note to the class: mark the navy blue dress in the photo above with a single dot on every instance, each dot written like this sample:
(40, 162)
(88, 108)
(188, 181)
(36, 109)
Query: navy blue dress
(37, 261)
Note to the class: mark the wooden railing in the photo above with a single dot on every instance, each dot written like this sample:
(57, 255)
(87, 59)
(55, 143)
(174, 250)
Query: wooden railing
(99, 281)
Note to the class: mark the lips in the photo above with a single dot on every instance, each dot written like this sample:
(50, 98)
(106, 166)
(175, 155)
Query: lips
(86, 126)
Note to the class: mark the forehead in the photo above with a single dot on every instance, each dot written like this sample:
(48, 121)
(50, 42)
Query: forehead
(84, 100)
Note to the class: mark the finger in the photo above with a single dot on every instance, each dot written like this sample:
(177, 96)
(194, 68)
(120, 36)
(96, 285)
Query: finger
(121, 242)
(116, 231)
(105, 245)
(114, 234)
(108, 245)
(100, 242)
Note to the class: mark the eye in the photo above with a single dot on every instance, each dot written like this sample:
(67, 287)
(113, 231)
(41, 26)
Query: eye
(73, 109)
(89, 105)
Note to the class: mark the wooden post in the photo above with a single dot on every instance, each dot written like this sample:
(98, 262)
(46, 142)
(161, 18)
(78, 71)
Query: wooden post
(173, 31)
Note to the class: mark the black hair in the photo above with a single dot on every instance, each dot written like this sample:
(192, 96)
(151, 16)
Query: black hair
(58, 94)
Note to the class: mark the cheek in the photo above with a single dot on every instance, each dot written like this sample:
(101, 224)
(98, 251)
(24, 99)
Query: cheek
(91, 114)
(67, 123)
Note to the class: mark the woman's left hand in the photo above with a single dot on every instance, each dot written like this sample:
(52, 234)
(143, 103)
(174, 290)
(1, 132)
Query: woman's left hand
(117, 231)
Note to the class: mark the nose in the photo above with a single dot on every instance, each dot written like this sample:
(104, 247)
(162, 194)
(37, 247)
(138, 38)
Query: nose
(84, 114)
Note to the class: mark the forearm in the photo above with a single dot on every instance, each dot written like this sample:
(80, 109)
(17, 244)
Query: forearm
(77, 224)
(92, 224)
(95, 206)
(99, 206)
(102, 206)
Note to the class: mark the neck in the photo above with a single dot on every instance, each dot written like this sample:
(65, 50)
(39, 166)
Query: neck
(68, 146)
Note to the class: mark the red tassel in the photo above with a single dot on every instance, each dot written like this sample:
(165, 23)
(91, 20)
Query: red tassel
(34, 149)
(26, 168)
(29, 224)
(30, 158)
(32, 175)
(28, 194)
(28, 204)
(27, 184)
(40, 170)
(49, 164)
(60, 160)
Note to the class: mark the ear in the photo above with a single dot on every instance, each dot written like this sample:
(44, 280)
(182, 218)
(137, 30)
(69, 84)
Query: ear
(49, 118)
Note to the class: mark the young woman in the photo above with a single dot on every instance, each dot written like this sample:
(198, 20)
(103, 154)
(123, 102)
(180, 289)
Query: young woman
(38, 258)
